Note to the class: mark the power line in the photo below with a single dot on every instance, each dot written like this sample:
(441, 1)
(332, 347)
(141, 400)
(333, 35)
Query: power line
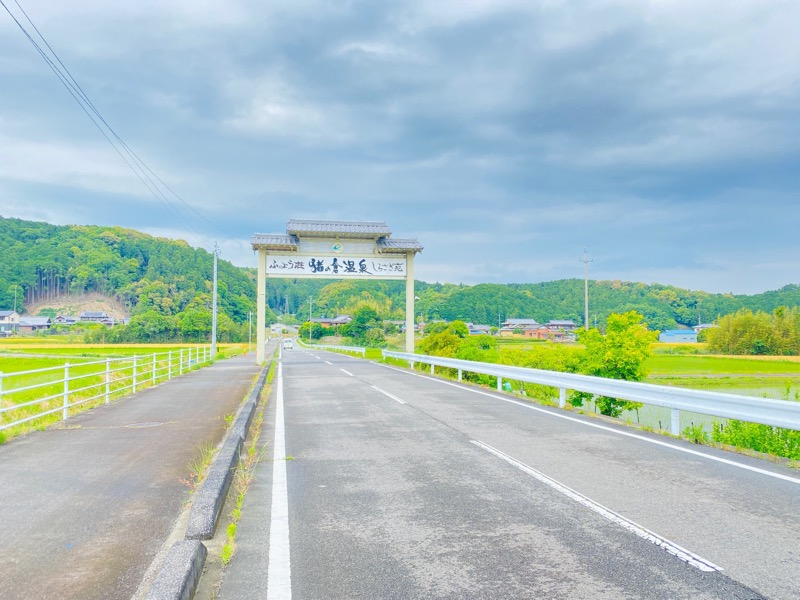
(139, 167)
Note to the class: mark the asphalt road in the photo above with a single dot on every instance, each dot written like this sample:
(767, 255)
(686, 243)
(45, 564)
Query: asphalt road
(87, 505)
(403, 486)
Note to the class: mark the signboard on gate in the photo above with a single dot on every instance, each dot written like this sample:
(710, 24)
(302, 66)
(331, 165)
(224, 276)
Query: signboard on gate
(294, 265)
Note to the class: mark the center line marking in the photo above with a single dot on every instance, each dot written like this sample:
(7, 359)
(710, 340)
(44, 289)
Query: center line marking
(346, 372)
(327, 362)
(672, 548)
(385, 393)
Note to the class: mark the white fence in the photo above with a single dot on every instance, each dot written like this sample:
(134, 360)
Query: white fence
(27, 396)
(778, 413)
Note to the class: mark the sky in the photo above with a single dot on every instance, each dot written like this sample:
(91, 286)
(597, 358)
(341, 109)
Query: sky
(507, 136)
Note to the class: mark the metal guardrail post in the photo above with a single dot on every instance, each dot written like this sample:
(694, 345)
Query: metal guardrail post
(135, 364)
(675, 421)
(65, 409)
(1, 395)
(169, 365)
(562, 397)
(108, 379)
(499, 384)
(460, 375)
(154, 368)
(432, 371)
(180, 363)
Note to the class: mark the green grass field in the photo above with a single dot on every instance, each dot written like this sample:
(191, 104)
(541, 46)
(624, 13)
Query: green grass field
(698, 364)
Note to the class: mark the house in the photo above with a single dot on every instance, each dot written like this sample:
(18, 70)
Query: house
(95, 316)
(328, 323)
(543, 332)
(64, 320)
(678, 336)
(9, 322)
(517, 326)
(703, 327)
(557, 325)
(32, 324)
(479, 329)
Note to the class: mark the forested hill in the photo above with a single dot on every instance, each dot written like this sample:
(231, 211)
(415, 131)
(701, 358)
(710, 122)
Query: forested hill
(44, 262)
(165, 277)
(664, 306)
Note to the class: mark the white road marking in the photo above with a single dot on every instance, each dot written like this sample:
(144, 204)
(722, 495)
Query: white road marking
(681, 553)
(279, 576)
(385, 393)
(327, 362)
(346, 372)
(609, 429)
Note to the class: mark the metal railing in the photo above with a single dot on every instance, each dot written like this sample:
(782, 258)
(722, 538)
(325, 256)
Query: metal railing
(778, 413)
(353, 349)
(27, 396)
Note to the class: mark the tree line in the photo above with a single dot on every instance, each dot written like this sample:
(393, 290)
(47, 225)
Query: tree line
(166, 284)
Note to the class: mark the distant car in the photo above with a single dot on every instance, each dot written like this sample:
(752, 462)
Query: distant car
(288, 345)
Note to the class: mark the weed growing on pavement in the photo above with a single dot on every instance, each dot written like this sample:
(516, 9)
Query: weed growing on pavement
(199, 466)
(229, 549)
(242, 478)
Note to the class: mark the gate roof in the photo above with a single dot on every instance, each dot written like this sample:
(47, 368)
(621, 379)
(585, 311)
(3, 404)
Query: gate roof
(361, 230)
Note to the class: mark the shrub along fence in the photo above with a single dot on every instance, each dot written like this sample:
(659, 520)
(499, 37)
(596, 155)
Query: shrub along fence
(30, 399)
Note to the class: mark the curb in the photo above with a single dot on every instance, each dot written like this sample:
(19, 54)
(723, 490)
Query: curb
(180, 575)
(207, 504)
(183, 566)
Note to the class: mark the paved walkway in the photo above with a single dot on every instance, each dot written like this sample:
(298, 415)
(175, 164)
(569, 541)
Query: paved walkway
(87, 505)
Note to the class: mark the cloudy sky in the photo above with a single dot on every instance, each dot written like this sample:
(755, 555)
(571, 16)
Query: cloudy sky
(505, 135)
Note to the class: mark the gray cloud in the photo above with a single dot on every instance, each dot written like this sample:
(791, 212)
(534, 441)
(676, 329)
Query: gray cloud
(507, 135)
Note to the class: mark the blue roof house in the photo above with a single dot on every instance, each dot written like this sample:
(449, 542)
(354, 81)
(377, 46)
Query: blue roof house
(678, 336)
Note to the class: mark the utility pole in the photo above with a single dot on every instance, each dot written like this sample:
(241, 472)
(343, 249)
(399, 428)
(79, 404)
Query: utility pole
(249, 329)
(15, 297)
(586, 260)
(214, 306)
(310, 324)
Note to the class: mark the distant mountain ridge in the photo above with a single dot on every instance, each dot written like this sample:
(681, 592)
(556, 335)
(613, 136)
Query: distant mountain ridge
(168, 277)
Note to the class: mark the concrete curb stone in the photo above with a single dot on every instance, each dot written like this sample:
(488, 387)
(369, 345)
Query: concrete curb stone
(180, 575)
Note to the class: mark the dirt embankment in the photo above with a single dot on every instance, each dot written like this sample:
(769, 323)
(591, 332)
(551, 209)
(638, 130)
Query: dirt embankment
(73, 306)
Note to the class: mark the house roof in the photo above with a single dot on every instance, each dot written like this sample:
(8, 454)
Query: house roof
(678, 332)
(34, 321)
(519, 322)
(94, 314)
(6, 313)
(558, 322)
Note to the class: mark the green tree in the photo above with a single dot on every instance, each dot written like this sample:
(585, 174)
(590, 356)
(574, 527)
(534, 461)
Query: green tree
(364, 319)
(620, 354)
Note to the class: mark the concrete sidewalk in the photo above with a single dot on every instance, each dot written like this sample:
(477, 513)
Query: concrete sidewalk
(88, 504)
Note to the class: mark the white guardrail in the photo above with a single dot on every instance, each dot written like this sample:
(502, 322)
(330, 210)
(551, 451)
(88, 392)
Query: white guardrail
(353, 349)
(30, 395)
(778, 413)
